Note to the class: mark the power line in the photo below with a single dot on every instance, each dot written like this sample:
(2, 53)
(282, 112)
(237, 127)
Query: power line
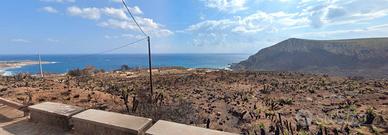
(83, 57)
(133, 18)
(117, 48)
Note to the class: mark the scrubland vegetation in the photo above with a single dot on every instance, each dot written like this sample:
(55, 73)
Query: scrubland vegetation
(239, 102)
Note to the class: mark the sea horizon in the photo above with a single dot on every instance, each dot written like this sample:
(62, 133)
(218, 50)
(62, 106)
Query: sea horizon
(62, 63)
(178, 53)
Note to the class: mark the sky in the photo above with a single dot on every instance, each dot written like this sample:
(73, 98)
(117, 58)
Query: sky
(182, 26)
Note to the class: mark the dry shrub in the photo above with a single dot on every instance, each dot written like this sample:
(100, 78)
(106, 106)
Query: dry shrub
(87, 71)
(181, 111)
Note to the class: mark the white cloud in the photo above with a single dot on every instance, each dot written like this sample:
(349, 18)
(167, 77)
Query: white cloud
(118, 1)
(346, 32)
(120, 13)
(59, 1)
(226, 5)
(243, 30)
(161, 33)
(20, 40)
(49, 9)
(132, 36)
(209, 25)
(257, 22)
(116, 13)
(378, 27)
(135, 10)
(117, 18)
(343, 11)
(88, 13)
(128, 36)
(96, 13)
(148, 25)
(333, 18)
(113, 23)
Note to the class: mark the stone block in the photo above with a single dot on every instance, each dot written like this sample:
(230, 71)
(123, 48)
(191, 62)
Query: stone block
(54, 114)
(97, 122)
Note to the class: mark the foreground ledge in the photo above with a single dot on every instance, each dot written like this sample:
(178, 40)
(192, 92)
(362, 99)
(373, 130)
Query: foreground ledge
(93, 122)
(12, 104)
(170, 128)
(97, 122)
(55, 114)
(15, 105)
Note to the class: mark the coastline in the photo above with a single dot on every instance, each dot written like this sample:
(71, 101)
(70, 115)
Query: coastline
(111, 62)
(6, 65)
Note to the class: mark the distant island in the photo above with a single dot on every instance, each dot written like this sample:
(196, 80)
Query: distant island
(366, 57)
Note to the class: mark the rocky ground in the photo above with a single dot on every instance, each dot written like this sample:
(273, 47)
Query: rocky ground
(239, 102)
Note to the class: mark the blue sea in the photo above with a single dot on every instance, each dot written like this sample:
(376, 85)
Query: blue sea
(109, 62)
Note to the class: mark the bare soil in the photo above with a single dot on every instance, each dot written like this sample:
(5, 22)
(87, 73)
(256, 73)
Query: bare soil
(239, 102)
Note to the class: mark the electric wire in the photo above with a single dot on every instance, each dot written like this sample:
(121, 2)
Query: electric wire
(85, 56)
(123, 46)
(120, 47)
(133, 18)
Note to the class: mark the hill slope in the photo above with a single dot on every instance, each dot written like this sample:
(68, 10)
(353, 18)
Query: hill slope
(353, 57)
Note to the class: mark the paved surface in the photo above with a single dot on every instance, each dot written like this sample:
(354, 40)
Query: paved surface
(170, 128)
(12, 122)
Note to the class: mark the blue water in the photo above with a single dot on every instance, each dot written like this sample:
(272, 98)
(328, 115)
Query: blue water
(109, 62)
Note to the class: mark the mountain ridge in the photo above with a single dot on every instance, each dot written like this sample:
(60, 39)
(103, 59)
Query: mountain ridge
(346, 57)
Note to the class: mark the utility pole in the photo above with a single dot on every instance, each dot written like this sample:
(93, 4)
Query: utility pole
(149, 47)
(40, 66)
(150, 64)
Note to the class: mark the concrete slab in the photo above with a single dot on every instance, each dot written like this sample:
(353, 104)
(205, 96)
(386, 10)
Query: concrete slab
(171, 128)
(12, 122)
(56, 108)
(55, 114)
(107, 123)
